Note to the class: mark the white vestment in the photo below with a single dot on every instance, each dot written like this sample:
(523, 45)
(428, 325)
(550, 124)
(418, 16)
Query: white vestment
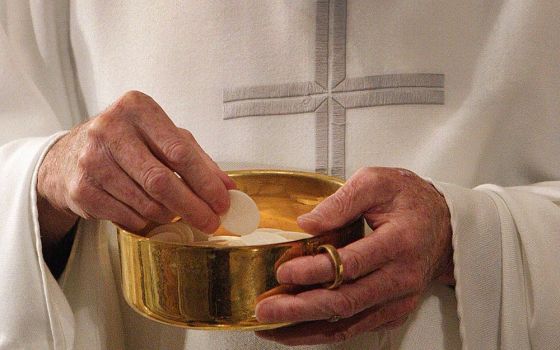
(462, 92)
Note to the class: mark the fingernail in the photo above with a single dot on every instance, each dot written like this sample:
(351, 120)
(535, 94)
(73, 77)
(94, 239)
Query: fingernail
(264, 310)
(308, 219)
(259, 313)
(280, 274)
(305, 217)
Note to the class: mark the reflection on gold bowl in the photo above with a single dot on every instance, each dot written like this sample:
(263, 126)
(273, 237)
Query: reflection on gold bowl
(218, 287)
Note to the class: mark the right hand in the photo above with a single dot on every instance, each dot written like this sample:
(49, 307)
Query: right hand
(121, 166)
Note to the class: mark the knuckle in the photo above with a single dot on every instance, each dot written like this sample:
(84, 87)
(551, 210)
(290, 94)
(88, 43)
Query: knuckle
(94, 163)
(355, 265)
(79, 190)
(366, 176)
(103, 124)
(178, 152)
(83, 196)
(379, 177)
(342, 201)
(131, 101)
(213, 190)
(134, 97)
(106, 134)
(189, 137)
(97, 127)
(156, 180)
(364, 172)
(87, 159)
(345, 306)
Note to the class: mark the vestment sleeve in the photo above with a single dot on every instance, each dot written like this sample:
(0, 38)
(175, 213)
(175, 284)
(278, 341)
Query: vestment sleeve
(506, 244)
(36, 105)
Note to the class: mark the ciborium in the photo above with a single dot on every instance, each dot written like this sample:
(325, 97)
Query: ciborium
(207, 287)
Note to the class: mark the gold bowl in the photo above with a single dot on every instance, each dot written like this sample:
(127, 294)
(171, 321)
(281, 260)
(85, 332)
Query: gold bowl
(201, 287)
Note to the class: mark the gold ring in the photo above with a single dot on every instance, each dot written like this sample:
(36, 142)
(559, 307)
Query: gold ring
(337, 262)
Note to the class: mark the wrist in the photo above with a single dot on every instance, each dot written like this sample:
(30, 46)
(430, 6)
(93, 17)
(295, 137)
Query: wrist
(55, 218)
(55, 223)
(445, 270)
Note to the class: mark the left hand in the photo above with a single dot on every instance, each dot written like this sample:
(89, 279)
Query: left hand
(385, 273)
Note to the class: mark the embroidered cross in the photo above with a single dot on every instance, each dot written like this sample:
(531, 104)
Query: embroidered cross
(332, 93)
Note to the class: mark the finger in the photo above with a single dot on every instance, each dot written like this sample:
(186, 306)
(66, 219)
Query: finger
(161, 183)
(324, 332)
(358, 259)
(119, 185)
(93, 203)
(228, 182)
(363, 191)
(179, 152)
(385, 284)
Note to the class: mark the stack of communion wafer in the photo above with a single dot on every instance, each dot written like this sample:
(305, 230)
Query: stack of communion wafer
(242, 220)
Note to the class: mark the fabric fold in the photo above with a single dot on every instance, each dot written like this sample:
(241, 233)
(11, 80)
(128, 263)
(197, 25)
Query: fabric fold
(32, 303)
(89, 285)
(475, 220)
(503, 239)
(531, 285)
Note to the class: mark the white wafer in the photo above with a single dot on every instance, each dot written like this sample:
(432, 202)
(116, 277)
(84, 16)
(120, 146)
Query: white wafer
(243, 215)
(293, 236)
(199, 235)
(232, 241)
(177, 232)
(224, 238)
(261, 238)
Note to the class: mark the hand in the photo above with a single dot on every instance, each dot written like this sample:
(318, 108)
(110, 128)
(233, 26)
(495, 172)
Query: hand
(385, 273)
(122, 166)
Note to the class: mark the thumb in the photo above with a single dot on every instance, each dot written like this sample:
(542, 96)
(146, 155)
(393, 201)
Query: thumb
(344, 206)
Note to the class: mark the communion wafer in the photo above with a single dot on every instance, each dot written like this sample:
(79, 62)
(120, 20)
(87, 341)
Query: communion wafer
(199, 235)
(242, 216)
(224, 238)
(230, 241)
(293, 236)
(261, 237)
(178, 232)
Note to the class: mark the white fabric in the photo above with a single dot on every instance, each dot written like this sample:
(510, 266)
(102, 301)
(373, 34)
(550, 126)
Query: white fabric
(33, 313)
(499, 125)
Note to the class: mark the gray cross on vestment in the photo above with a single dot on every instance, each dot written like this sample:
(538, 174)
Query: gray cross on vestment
(332, 92)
